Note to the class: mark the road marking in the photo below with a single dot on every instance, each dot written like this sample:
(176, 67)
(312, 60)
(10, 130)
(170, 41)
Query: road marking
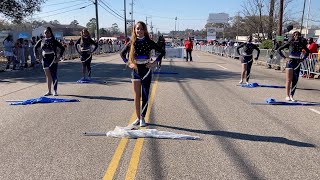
(133, 165)
(117, 155)
(221, 66)
(135, 157)
(314, 110)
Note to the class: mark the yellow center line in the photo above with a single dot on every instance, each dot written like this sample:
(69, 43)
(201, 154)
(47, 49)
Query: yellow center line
(112, 168)
(135, 157)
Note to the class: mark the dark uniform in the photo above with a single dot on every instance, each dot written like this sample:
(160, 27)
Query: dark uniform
(85, 52)
(247, 57)
(49, 54)
(295, 48)
(142, 49)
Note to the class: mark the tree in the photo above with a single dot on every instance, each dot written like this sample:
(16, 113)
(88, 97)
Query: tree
(19, 9)
(259, 16)
(92, 26)
(74, 22)
(54, 22)
(104, 32)
(115, 29)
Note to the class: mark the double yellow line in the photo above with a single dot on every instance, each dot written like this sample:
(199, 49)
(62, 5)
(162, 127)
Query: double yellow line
(135, 157)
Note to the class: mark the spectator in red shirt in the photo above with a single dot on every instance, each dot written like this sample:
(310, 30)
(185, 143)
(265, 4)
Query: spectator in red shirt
(189, 47)
(312, 46)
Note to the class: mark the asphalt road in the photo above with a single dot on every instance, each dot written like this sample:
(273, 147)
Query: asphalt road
(239, 140)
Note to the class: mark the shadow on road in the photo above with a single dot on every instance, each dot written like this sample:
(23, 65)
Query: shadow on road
(241, 136)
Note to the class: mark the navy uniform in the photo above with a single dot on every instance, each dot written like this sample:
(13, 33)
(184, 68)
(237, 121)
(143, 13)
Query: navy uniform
(295, 48)
(142, 49)
(49, 55)
(85, 52)
(247, 57)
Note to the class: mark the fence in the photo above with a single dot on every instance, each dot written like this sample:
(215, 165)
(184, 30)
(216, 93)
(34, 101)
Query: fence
(267, 57)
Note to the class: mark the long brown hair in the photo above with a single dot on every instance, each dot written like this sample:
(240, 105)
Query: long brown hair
(82, 34)
(134, 38)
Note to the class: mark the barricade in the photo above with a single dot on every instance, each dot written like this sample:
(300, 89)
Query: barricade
(313, 64)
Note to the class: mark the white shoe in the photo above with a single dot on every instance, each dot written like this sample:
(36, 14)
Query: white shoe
(48, 94)
(142, 122)
(247, 83)
(55, 93)
(136, 122)
(240, 82)
(288, 98)
(291, 98)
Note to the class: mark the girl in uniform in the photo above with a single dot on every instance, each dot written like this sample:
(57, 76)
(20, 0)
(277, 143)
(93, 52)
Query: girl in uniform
(247, 58)
(50, 59)
(295, 46)
(139, 49)
(85, 43)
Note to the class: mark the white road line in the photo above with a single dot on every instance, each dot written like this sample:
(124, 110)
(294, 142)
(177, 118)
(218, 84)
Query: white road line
(221, 66)
(315, 111)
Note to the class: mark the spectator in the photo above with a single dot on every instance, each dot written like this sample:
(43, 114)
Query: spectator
(189, 47)
(8, 51)
(31, 52)
(312, 46)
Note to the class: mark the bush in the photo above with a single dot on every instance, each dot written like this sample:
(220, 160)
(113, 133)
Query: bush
(266, 44)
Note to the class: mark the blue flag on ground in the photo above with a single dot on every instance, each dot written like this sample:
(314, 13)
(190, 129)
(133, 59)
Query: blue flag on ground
(271, 101)
(253, 85)
(43, 100)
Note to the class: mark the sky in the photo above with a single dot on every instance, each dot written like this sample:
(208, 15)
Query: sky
(191, 14)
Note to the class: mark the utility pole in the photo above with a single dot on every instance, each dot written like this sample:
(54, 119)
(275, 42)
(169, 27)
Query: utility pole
(280, 18)
(125, 20)
(132, 12)
(271, 14)
(304, 6)
(260, 18)
(151, 27)
(175, 27)
(97, 20)
(238, 19)
(307, 23)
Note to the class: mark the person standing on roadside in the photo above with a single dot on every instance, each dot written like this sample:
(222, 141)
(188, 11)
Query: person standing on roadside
(188, 44)
(8, 52)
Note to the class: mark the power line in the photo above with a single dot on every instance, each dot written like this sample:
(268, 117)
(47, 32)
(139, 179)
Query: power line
(59, 9)
(60, 3)
(66, 11)
(122, 19)
(111, 9)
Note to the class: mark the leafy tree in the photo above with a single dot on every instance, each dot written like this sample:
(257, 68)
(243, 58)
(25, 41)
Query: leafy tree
(92, 26)
(54, 22)
(74, 22)
(115, 29)
(19, 9)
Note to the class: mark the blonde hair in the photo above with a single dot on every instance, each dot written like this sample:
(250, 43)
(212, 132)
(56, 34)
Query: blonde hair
(133, 39)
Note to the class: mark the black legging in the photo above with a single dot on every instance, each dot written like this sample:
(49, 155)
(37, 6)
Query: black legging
(249, 65)
(87, 64)
(86, 58)
(295, 78)
(54, 70)
(189, 52)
